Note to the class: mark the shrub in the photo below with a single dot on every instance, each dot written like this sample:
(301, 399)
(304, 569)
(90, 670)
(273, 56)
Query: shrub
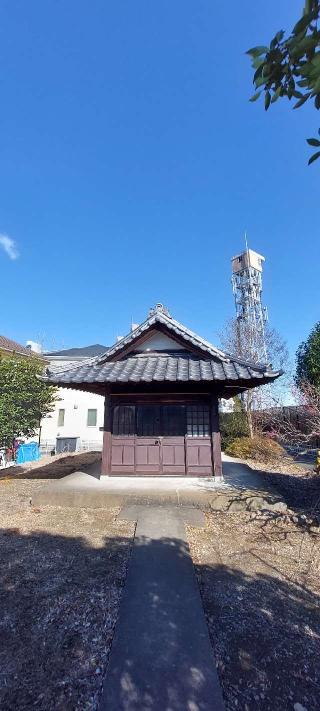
(233, 425)
(259, 448)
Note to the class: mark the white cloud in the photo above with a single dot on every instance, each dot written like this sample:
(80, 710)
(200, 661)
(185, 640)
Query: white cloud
(9, 246)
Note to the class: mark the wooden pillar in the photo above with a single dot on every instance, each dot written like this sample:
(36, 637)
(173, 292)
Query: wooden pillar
(107, 437)
(215, 437)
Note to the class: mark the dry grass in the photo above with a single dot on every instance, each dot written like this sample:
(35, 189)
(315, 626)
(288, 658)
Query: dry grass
(62, 573)
(257, 448)
(300, 487)
(260, 585)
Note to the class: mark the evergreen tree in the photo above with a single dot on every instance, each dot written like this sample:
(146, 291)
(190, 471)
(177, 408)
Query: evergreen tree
(308, 359)
(24, 398)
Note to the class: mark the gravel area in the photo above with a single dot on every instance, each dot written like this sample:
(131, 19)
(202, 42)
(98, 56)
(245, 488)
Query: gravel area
(260, 585)
(62, 574)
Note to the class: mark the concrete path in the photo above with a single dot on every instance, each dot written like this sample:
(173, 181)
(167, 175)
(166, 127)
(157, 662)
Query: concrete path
(82, 489)
(161, 657)
(238, 475)
(85, 489)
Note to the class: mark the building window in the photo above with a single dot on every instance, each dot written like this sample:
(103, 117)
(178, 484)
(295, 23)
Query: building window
(124, 420)
(174, 420)
(61, 414)
(92, 418)
(198, 421)
(161, 420)
(148, 421)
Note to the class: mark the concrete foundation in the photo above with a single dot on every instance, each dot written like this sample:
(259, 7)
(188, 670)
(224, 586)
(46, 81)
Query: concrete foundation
(83, 490)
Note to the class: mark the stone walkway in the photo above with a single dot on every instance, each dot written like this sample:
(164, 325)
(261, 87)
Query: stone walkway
(161, 657)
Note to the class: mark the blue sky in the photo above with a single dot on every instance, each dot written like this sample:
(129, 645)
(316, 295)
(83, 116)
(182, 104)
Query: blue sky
(132, 162)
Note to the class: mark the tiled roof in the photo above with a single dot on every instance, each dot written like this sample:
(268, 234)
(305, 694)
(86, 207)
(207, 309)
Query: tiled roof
(12, 346)
(176, 328)
(160, 367)
(197, 361)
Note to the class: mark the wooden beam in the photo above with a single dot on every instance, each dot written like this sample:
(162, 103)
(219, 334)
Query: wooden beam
(216, 437)
(107, 436)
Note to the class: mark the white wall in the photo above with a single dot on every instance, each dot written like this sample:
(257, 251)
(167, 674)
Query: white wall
(75, 403)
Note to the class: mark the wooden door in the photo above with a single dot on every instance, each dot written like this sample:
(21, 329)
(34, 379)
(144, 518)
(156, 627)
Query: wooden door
(148, 455)
(198, 455)
(173, 455)
(162, 439)
(122, 455)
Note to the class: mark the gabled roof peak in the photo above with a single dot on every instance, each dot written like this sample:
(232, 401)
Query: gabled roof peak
(160, 315)
(159, 309)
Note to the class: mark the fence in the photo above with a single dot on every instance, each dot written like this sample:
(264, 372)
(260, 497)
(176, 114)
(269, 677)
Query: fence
(86, 445)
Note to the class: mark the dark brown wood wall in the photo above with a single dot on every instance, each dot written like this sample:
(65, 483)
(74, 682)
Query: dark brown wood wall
(202, 454)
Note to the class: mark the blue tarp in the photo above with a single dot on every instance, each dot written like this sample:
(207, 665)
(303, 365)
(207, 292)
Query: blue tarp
(28, 453)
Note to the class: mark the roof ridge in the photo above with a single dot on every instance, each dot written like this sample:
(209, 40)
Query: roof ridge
(8, 344)
(208, 344)
(172, 324)
(73, 366)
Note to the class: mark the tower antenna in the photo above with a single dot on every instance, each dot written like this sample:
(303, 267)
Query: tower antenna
(251, 315)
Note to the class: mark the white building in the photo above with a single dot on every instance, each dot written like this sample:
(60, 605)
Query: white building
(77, 415)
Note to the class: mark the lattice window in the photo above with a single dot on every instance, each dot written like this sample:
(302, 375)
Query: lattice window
(198, 420)
(166, 420)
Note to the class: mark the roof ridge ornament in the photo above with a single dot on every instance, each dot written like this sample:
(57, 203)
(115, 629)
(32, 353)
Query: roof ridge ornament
(159, 309)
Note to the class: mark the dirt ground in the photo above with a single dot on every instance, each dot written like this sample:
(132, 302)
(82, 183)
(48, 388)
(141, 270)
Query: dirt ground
(62, 573)
(51, 467)
(260, 584)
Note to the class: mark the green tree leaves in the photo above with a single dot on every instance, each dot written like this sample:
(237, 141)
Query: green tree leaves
(316, 143)
(291, 62)
(24, 398)
(308, 357)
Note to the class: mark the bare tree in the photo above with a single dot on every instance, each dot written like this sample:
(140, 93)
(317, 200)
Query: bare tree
(299, 424)
(245, 344)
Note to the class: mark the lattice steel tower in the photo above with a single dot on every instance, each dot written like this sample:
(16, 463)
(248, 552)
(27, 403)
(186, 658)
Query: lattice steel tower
(250, 314)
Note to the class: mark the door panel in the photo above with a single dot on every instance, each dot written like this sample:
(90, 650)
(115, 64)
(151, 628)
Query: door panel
(161, 439)
(173, 455)
(148, 455)
(122, 455)
(198, 456)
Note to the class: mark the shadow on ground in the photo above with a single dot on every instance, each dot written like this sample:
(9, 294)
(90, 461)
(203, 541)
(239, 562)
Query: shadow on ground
(239, 476)
(55, 468)
(58, 603)
(299, 492)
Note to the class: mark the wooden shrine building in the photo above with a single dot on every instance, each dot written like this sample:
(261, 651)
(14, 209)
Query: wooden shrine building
(161, 385)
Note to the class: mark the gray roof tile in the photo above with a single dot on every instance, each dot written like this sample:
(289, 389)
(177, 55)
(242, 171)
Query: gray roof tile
(174, 366)
(158, 368)
(172, 325)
